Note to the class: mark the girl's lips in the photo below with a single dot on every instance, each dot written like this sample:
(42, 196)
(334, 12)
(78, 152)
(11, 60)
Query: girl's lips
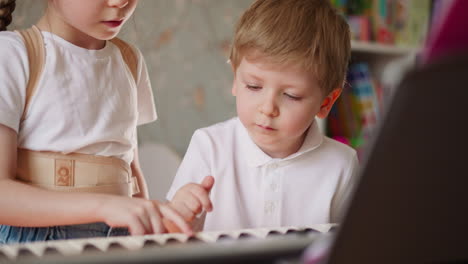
(113, 23)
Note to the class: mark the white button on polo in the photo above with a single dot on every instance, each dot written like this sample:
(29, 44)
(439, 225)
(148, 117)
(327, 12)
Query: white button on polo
(269, 207)
(273, 187)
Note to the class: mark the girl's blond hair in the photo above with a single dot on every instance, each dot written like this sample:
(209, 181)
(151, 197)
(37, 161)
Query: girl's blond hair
(306, 32)
(6, 8)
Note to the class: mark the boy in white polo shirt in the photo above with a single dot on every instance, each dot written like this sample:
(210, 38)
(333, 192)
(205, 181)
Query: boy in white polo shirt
(271, 166)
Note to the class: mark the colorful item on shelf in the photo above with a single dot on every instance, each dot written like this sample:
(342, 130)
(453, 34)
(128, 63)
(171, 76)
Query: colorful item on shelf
(354, 117)
(410, 21)
(399, 22)
(359, 27)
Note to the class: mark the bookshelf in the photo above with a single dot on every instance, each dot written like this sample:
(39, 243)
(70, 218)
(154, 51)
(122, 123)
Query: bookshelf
(380, 49)
(376, 60)
(378, 56)
(385, 37)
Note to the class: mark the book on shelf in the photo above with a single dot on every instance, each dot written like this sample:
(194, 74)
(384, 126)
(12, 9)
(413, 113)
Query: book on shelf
(393, 22)
(411, 21)
(354, 116)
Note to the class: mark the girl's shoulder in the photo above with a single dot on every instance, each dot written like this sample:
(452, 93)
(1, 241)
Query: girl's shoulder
(11, 38)
(11, 42)
(12, 48)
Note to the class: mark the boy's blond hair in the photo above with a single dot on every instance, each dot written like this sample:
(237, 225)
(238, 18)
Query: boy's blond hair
(308, 32)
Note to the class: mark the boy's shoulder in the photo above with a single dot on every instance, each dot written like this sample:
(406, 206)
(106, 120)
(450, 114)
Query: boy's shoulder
(227, 126)
(335, 150)
(224, 131)
(332, 144)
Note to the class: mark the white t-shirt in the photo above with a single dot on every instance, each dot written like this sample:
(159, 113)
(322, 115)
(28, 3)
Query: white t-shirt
(86, 100)
(254, 190)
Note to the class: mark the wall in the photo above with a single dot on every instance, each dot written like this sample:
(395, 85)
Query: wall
(185, 44)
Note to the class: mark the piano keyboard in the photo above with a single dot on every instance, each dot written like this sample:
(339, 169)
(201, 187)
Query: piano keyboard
(159, 245)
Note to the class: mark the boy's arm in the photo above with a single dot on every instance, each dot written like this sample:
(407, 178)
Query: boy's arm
(194, 168)
(195, 165)
(344, 191)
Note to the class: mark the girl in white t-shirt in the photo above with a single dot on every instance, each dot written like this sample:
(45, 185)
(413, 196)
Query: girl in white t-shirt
(68, 167)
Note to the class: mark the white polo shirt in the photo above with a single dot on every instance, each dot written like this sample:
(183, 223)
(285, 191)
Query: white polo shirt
(254, 190)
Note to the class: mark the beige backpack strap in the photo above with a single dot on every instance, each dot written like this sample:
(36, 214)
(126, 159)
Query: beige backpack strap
(34, 43)
(129, 56)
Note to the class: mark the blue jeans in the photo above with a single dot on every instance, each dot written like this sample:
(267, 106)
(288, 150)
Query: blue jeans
(14, 234)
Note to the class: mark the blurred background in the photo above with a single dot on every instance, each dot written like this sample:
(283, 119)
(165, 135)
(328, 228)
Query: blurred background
(186, 45)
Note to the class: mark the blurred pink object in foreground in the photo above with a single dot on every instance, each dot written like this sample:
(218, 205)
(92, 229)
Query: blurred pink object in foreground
(317, 253)
(449, 31)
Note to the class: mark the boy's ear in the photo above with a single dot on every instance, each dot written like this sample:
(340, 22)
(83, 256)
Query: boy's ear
(234, 89)
(328, 102)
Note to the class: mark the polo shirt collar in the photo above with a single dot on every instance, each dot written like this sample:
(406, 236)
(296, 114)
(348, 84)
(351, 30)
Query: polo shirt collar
(256, 157)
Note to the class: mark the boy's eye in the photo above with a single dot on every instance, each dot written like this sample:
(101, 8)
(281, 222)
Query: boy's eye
(253, 87)
(293, 97)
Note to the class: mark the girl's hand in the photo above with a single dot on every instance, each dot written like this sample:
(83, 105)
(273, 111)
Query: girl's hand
(140, 216)
(192, 198)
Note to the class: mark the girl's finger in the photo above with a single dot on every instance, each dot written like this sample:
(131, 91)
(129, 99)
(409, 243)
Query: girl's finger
(170, 226)
(135, 227)
(155, 218)
(144, 218)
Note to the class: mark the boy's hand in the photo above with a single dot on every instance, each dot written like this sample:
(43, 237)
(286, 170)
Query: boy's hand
(193, 198)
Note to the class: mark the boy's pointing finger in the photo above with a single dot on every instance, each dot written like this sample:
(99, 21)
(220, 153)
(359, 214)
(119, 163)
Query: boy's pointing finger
(208, 183)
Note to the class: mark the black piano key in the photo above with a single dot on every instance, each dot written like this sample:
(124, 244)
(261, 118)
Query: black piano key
(293, 231)
(310, 230)
(194, 240)
(150, 243)
(274, 233)
(51, 251)
(115, 246)
(91, 248)
(172, 241)
(245, 235)
(303, 231)
(3, 256)
(224, 237)
(25, 253)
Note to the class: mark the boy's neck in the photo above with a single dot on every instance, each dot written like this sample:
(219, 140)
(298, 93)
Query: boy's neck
(53, 24)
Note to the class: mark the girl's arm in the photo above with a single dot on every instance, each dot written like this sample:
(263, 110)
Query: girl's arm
(24, 205)
(138, 173)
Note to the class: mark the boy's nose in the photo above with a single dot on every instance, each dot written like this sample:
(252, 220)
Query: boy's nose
(269, 108)
(118, 3)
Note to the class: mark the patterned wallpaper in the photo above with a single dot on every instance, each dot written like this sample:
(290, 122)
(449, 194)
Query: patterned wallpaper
(185, 44)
